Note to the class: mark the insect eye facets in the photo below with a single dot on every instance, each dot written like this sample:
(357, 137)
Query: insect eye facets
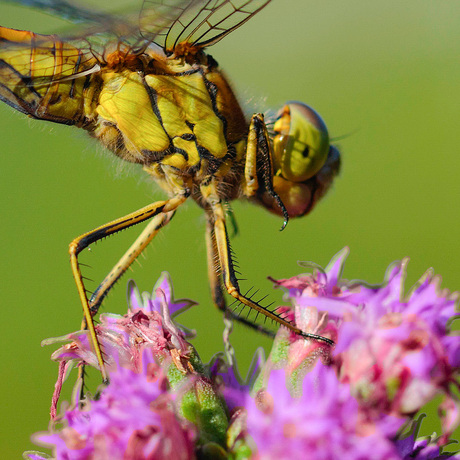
(281, 130)
(300, 150)
(300, 143)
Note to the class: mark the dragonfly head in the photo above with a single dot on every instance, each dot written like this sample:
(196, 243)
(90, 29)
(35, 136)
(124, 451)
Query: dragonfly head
(304, 163)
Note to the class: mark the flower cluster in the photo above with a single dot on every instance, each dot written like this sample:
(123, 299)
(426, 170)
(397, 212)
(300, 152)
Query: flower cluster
(393, 349)
(394, 353)
(157, 405)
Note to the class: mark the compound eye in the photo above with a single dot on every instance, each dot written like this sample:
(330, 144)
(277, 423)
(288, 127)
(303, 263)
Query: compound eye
(301, 142)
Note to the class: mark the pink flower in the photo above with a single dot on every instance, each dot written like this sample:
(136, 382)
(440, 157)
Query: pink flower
(134, 418)
(325, 422)
(153, 407)
(393, 354)
(396, 352)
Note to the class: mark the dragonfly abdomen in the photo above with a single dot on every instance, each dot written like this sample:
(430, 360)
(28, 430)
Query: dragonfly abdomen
(42, 76)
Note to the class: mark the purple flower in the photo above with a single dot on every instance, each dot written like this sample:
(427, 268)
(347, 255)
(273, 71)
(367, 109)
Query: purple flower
(155, 403)
(134, 418)
(395, 351)
(324, 423)
(226, 377)
(123, 338)
(409, 447)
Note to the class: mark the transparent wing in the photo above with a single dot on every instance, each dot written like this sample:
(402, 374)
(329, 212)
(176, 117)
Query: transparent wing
(200, 23)
(40, 71)
(104, 22)
(37, 60)
(73, 12)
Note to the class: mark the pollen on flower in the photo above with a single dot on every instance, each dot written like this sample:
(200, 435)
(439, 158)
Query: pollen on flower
(289, 430)
(264, 402)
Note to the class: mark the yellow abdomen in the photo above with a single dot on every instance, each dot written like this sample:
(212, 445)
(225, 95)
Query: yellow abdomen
(38, 76)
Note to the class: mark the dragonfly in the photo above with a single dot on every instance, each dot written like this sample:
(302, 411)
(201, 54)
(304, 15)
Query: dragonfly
(146, 88)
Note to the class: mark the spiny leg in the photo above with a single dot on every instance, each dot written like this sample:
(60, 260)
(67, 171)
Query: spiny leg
(83, 241)
(209, 192)
(213, 265)
(259, 163)
(215, 279)
(258, 154)
(142, 241)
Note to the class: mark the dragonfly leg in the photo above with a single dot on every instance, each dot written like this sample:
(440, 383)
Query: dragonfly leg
(213, 265)
(216, 283)
(142, 241)
(230, 281)
(259, 163)
(251, 181)
(161, 212)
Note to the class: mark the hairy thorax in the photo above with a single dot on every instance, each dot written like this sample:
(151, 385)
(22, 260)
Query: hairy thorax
(173, 117)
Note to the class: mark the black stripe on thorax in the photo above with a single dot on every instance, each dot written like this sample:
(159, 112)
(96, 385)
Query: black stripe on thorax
(212, 91)
(153, 97)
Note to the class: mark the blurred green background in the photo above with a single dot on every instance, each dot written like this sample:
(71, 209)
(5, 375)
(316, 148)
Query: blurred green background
(384, 74)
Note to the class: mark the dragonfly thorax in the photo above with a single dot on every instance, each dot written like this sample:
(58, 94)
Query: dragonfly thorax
(170, 112)
(119, 60)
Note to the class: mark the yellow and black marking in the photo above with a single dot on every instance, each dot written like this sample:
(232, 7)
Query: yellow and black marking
(169, 108)
(38, 76)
